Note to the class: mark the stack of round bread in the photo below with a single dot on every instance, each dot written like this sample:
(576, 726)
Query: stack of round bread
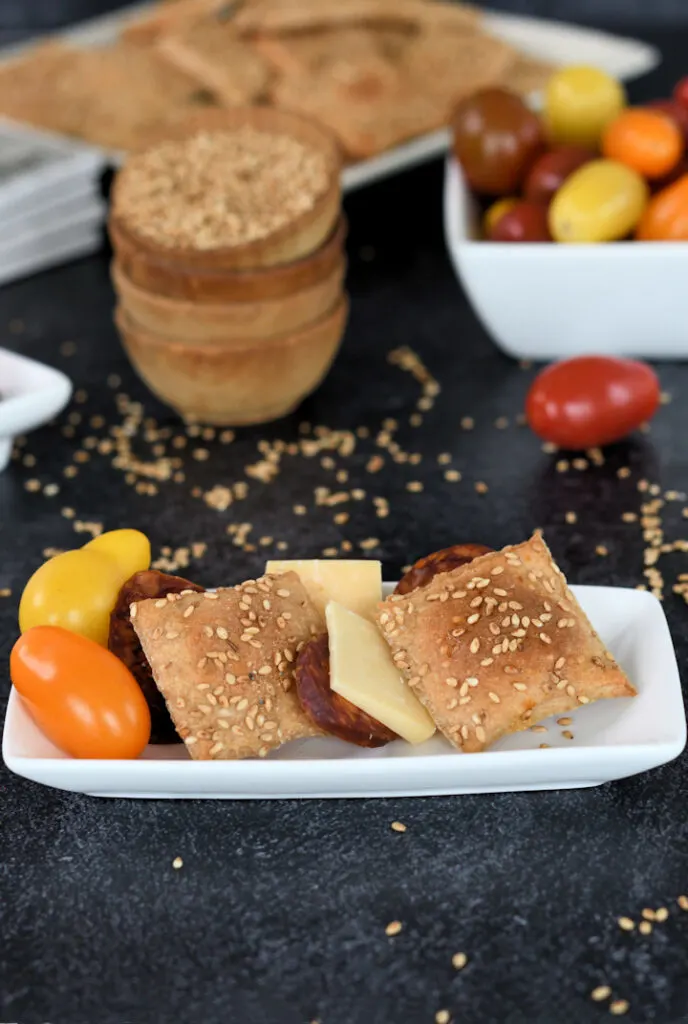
(229, 264)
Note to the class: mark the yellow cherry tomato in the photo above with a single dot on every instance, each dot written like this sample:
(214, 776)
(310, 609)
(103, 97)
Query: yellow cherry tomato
(601, 202)
(495, 213)
(129, 549)
(76, 590)
(579, 104)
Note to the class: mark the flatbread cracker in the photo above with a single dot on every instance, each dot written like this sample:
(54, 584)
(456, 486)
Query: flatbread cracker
(213, 54)
(367, 105)
(282, 16)
(224, 663)
(447, 66)
(497, 645)
(171, 17)
(111, 96)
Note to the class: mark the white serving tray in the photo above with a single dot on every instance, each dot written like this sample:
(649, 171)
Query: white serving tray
(612, 739)
(554, 41)
(31, 394)
(545, 301)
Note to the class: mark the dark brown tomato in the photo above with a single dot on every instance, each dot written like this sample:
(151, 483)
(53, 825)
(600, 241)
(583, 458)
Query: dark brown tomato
(496, 139)
(524, 222)
(422, 571)
(124, 643)
(550, 171)
(332, 713)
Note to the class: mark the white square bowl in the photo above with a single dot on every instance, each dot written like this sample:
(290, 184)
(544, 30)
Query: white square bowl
(31, 393)
(612, 739)
(547, 301)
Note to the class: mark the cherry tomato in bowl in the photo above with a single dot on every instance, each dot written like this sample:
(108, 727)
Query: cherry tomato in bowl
(648, 141)
(496, 137)
(680, 93)
(550, 171)
(523, 222)
(674, 110)
(666, 217)
(590, 401)
(79, 694)
(495, 212)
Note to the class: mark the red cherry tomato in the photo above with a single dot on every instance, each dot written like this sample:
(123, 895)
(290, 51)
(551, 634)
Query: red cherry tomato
(550, 171)
(674, 110)
(680, 93)
(81, 696)
(524, 222)
(591, 400)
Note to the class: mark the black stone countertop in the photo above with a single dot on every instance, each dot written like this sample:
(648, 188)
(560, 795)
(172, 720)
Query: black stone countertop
(279, 912)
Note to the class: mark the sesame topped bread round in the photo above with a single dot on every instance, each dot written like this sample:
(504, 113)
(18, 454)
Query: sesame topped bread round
(234, 189)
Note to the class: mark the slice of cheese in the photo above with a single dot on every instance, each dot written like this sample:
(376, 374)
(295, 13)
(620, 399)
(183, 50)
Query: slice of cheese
(362, 670)
(355, 584)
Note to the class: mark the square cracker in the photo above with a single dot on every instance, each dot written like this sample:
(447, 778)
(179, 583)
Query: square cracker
(224, 662)
(497, 645)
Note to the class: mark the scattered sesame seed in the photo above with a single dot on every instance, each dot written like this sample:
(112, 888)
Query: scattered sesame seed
(619, 1007)
(467, 423)
(661, 914)
(459, 961)
(571, 517)
(644, 927)
(600, 993)
(177, 863)
(393, 928)
(683, 902)
(626, 924)
(414, 485)
(601, 550)
(398, 826)
(452, 475)
(481, 487)
(442, 1017)
(5, 592)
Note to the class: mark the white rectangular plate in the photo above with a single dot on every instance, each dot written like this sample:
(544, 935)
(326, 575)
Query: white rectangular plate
(612, 739)
(555, 41)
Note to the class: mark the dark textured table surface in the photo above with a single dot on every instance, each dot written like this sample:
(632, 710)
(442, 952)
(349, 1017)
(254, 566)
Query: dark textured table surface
(279, 912)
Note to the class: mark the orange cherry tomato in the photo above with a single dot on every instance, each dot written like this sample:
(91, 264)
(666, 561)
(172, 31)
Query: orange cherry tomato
(647, 140)
(79, 694)
(666, 216)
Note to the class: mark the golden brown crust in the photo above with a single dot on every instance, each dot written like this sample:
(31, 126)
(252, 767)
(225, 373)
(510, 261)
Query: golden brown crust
(327, 709)
(422, 571)
(124, 643)
(224, 663)
(497, 645)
